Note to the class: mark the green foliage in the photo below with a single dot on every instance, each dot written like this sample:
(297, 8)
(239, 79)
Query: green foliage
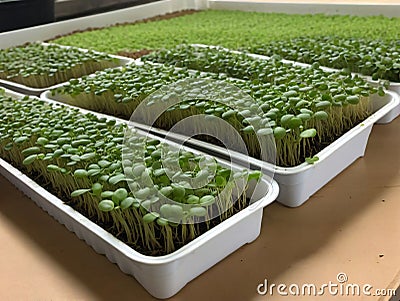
(377, 58)
(232, 29)
(119, 90)
(41, 139)
(290, 99)
(37, 65)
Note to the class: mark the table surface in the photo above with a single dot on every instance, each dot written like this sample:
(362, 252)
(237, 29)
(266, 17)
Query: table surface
(350, 226)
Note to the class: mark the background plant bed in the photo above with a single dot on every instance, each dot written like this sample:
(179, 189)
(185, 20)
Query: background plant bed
(159, 275)
(393, 86)
(245, 29)
(174, 59)
(34, 82)
(376, 58)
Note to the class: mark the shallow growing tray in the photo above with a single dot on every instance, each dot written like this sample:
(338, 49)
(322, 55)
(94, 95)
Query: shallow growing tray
(37, 91)
(161, 276)
(297, 184)
(393, 86)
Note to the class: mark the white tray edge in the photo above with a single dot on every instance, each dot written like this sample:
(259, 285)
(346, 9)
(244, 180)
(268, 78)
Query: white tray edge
(147, 269)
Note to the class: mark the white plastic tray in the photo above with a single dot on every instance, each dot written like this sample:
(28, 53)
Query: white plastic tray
(37, 91)
(395, 87)
(161, 276)
(297, 184)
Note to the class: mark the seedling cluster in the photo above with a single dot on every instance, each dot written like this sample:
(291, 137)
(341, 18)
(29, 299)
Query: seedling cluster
(42, 65)
(304, 108)
(118, 91)
(84, 160)
(244, 29)
(377, 58)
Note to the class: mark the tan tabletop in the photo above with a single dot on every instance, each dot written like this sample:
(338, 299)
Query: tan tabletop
(351, 226)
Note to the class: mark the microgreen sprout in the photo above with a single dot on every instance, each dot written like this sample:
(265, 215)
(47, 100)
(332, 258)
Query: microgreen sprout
(39, 65)
(244, 29)
(374, 57)
(306, 108)
(79, 158)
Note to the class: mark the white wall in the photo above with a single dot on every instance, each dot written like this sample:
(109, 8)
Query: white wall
(389, 10)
